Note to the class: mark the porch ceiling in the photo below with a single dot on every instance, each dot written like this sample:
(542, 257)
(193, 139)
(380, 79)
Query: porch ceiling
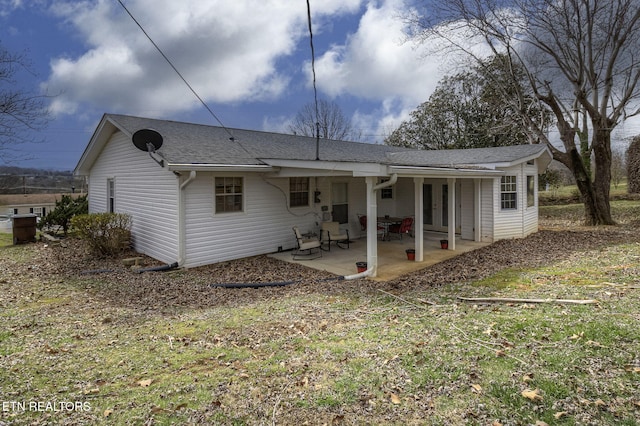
(392, 258)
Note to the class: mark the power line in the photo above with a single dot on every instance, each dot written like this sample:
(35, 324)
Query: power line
(176, 70)
(315, 90)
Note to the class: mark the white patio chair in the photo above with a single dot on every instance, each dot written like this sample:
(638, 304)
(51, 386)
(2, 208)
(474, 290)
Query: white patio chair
(331, 231)
(306, 244)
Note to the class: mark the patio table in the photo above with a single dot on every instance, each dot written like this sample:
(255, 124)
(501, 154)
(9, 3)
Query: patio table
(385, 222)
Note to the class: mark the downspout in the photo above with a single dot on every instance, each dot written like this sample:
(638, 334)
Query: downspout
(392, 181)
(372, 242)
(182, 234)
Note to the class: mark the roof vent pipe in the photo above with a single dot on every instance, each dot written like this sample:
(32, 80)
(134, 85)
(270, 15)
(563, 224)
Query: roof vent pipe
(317, 141)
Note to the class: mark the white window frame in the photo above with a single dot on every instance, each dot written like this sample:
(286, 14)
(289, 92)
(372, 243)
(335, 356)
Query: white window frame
(386, 193)
(509, 192)
(294, 190)
(37, 211)
(111, 195)
(531, 191)
(229, 186)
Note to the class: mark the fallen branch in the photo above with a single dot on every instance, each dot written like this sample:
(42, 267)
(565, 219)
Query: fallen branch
(515, 300)
(407, 301)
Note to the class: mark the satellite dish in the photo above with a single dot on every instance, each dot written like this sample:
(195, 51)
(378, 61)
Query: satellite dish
(147, 140)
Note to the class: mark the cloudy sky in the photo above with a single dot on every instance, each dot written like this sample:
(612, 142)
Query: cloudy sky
(248, 59)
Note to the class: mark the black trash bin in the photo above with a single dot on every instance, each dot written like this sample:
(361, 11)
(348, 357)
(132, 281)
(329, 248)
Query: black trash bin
(24, 228)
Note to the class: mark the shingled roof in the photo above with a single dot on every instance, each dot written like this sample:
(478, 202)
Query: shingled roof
(198, 144)
(187, 143)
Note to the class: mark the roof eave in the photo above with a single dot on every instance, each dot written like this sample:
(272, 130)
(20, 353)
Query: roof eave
(201, 167)
(331, 167)
(443, 172)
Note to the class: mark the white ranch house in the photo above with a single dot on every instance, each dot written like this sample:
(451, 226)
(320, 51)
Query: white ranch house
(211, 194)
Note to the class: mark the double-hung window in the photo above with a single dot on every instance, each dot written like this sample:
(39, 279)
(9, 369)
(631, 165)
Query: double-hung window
(508, 193)
(299, 191)
(387, 192)
(228, 194)
(531, 191)
(111, 195)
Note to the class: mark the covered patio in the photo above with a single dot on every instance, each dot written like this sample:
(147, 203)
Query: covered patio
(392, 257)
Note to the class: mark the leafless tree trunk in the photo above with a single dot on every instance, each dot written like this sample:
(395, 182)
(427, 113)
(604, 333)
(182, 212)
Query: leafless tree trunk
(579, 56)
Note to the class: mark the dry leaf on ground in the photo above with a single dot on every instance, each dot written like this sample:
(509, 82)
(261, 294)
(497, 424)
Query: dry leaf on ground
(533, 395)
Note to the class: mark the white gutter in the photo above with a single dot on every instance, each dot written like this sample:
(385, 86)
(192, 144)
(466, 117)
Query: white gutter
(182, 237)
(372, 242)
(445, 172)
(179, 167)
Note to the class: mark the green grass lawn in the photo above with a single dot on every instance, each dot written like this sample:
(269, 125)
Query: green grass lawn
(623, 211)
(327, 357)
(569, 194)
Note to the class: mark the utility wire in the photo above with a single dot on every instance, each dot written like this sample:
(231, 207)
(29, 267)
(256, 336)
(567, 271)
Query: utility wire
(178, 72)
(315, 90)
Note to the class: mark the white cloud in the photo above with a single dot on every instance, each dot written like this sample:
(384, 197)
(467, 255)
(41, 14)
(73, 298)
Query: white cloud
(8, 6)
(227, 50)
(376, 63)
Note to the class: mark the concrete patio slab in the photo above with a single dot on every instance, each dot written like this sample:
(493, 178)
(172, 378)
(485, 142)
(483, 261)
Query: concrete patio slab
(392, 258)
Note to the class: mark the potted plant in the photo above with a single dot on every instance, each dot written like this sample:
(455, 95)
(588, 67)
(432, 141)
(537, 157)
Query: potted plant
(411, 254)
(444, 244)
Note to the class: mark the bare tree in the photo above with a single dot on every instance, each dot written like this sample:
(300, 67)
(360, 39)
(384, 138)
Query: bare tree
(580, 59)
(331, 122)
(21, 111)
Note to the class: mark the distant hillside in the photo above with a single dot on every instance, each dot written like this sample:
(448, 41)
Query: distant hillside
(19, 180)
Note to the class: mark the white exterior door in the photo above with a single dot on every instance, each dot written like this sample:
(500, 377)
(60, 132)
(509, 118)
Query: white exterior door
(436, 206)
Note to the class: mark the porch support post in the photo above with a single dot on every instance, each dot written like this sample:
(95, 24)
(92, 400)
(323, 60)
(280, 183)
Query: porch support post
(372, 226)
(477, 208)
(451, 184)
(418, 223)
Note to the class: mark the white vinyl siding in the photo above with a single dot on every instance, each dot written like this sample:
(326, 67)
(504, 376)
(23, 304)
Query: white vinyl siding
(144, 190)
(522, 221)
(264, 224)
